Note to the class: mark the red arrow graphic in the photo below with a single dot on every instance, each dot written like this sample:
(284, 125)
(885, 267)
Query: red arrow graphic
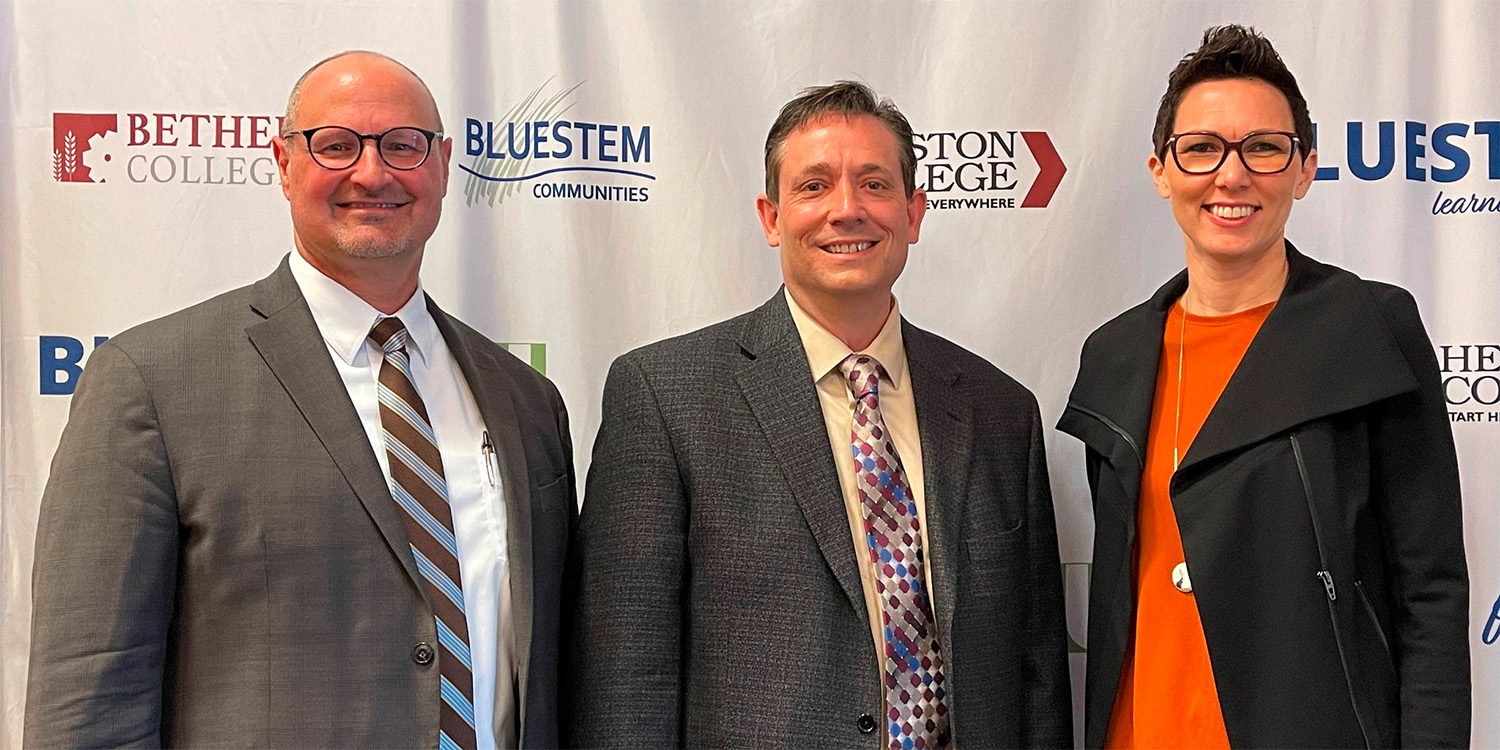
(1052, 172)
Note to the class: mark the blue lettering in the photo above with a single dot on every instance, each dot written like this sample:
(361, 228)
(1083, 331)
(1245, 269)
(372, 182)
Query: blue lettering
(606, 142)
(1491, 130)
(586, 128)
(489, 143)
(562, 137)
(60, 356)
(1415, 151)
(1323, 173)
(1492, 626)
(539, 137)
(1356, 155)
(1441, 146)
(637, 150)
(559, 139)
(510, 138)
(473, 137)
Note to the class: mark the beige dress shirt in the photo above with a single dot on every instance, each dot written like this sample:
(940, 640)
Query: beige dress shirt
(898, 407)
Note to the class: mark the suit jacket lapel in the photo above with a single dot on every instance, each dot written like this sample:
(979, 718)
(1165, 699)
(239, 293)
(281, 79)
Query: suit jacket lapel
(291, 345)
(498, 411)
(945, 421)
(778, 386)
(1324, 349)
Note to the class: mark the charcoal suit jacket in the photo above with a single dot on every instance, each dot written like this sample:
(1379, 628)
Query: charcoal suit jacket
(714, 589)
(219, 561)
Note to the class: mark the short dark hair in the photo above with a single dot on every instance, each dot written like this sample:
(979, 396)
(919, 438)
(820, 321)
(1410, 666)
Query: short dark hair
(1230, 52)
(847, 98)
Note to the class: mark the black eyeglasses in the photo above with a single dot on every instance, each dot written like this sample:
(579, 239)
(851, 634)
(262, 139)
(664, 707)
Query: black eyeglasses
(1265, 152)
(336, 147)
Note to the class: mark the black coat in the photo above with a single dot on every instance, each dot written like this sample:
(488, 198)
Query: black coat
(1319, 513)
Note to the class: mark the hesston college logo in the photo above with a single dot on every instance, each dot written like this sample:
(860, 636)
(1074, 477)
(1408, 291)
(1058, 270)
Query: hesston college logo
(1471, 382)
(72, 137)
(980, 168)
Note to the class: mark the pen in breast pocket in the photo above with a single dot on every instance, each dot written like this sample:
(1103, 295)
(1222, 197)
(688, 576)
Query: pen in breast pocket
(488, 449)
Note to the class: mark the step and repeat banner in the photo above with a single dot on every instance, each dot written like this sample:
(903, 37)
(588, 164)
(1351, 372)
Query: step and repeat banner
(606, 160)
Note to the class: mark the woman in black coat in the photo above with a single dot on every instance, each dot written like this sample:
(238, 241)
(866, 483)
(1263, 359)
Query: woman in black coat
(1313, 499)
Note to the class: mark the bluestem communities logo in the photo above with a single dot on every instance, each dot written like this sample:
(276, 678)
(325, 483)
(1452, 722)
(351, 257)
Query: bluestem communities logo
(1442, 153)
(982, 169)
(534, 150)
(188, 149)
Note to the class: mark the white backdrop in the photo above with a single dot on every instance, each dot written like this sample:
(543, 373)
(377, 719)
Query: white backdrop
(164, 193)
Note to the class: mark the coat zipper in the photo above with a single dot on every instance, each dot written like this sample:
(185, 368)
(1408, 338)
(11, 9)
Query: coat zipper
(1327, 578)
(1130, 441)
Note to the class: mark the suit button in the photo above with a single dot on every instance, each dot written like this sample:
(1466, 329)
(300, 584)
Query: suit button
(422, 654)
(866, 723)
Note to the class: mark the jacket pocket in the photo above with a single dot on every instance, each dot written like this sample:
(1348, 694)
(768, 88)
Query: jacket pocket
(1364, 599)
(1325, 574)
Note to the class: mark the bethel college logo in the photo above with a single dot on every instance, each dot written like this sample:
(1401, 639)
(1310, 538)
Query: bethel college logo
(72, 138)
(187, 149)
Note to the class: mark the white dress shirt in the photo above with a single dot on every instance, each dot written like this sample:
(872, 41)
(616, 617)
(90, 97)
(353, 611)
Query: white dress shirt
(471, 471)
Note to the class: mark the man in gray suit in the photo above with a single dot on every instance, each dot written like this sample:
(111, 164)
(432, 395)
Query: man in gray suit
(315, 511)
(815, 524)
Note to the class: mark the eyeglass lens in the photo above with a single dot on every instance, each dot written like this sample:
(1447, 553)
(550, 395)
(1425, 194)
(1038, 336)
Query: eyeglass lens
(1263, 153)
(338, 148)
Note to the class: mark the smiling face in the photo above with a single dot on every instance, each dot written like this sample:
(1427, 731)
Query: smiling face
(843, 220)
(1233, 216)
(368, 211)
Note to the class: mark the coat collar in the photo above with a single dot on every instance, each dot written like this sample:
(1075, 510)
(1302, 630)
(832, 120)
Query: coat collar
(777, 383)
(285, 336)
(1326, 348)
(945, 419)
(288, 340)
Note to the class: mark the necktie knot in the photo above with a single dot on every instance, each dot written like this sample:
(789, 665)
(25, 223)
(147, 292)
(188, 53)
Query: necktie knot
(862, 374)
(389, 334)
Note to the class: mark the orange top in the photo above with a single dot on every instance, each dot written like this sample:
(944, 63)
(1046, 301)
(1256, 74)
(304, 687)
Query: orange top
(1167, 697)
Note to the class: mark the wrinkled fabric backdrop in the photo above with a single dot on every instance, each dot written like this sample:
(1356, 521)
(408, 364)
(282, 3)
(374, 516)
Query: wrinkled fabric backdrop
(606, 159)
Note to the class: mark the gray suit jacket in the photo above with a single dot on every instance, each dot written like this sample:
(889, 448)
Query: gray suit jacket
(715, 595)
(219, 561)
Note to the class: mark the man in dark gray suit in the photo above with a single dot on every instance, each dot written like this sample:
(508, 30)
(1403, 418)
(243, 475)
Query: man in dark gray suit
(816, 525)
(315, 511)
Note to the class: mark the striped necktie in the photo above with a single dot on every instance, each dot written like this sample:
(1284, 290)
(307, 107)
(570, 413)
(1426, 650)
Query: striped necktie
(419, 488)
(916, 695)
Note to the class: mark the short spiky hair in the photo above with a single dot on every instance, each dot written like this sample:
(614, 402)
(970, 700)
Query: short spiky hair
(846, 98)
(1229, 52)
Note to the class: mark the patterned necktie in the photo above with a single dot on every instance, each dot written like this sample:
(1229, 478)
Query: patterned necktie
(419, 488)
(916, 696)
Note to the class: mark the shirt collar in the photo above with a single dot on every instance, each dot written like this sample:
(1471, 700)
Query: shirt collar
(825, 351)
(345, 320)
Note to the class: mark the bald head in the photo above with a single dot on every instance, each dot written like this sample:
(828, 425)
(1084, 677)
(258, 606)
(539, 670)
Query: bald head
(351, 63)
